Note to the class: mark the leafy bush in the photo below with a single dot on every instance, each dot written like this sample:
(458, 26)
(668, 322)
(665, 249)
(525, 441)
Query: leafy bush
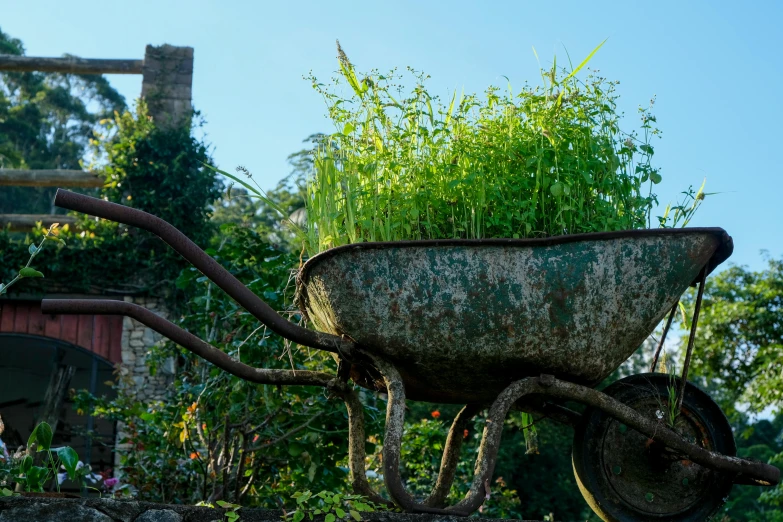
(216, 436)
(161, 171)
(740, 348)
(332, 506)
(32, 473)
(544, 161)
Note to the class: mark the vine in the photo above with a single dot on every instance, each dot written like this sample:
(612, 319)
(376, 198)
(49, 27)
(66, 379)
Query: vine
(161, 171)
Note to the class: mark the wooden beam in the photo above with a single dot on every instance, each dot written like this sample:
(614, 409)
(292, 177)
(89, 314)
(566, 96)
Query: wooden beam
(22, 222)
(50, 178)
(9, 62)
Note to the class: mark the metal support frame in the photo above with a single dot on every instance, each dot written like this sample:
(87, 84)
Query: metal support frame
(743, 471)
(663, 336)
(691, 338)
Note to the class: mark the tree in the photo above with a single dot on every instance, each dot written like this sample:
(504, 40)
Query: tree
(162, 171)
(46, 122)
(738, 356)
(739, 346)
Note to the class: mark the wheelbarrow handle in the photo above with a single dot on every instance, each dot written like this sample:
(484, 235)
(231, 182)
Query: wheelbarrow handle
(187, 340)
(208, 266)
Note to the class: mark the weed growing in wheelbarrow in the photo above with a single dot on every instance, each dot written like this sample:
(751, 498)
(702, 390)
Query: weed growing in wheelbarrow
(537, 162)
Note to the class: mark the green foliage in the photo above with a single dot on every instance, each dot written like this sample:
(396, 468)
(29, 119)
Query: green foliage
(541, 162)
(161, 171)
(28, 271)
(421, 452)
(50, 121)
(738, 357)
(46, 122)
(216, 436)
(739, 346)
(287, 201)
(332, 506)
(156, 170)
(672, 411)
(525, 485)
(230, 510)
(25, 471)
(762, 440)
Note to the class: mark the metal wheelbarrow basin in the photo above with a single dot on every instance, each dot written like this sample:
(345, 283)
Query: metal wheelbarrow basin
(461, 320)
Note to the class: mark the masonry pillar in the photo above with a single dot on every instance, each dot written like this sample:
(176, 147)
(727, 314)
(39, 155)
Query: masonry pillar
(167, 84)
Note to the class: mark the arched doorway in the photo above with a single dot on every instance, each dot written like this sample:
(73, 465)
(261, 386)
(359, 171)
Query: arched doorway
(31, 366)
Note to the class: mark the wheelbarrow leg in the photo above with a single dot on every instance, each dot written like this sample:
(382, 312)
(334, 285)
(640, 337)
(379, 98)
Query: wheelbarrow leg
(485, 462)
(356, 451)
(450, 459)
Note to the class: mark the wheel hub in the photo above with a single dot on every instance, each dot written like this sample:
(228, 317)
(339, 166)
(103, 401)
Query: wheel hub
(648, 476)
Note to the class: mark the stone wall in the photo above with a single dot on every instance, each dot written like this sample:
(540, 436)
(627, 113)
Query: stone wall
(137, 339)
(24, 509)
(136, 381)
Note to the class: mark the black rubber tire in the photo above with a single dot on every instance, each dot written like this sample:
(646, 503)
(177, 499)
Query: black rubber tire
(651, 488)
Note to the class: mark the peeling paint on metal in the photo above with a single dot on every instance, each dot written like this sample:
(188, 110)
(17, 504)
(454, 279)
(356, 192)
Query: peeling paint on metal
(463, 321)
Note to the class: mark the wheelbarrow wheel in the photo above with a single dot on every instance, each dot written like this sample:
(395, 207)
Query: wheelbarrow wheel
(625, 476)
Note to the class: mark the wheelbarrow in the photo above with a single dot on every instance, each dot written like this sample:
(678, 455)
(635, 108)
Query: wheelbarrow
(528, 324)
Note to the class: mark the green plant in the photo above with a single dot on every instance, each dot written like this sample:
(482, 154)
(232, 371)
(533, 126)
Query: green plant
(540, 162)
(672, 411)
(33, 250)
(33, 477)
(230, 510)
(669, 410)
(331, 505)
(421, 451)
(156, 170)
(161, 171)
(216, 436)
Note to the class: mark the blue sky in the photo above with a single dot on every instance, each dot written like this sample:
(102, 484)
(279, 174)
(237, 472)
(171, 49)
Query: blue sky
(715, 68)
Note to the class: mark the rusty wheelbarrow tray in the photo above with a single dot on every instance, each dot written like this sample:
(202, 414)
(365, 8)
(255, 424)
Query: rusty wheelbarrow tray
(511, 323)
(462, 319)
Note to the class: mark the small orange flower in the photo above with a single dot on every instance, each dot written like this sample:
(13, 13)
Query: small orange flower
(255, 438)
(203, 425)
(193, 456)
(435, 414)
(465, 434)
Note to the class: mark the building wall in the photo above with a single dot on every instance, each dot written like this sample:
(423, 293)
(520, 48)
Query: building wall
(100, 334)
(120, 340)
(137, 340)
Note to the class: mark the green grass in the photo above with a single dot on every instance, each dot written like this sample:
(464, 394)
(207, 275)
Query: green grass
(537, 162)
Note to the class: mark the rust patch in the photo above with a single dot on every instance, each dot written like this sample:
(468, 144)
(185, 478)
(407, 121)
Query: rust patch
(464, 319)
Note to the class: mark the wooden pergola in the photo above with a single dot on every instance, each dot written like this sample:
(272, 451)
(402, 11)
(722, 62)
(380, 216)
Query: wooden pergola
(167, 77)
